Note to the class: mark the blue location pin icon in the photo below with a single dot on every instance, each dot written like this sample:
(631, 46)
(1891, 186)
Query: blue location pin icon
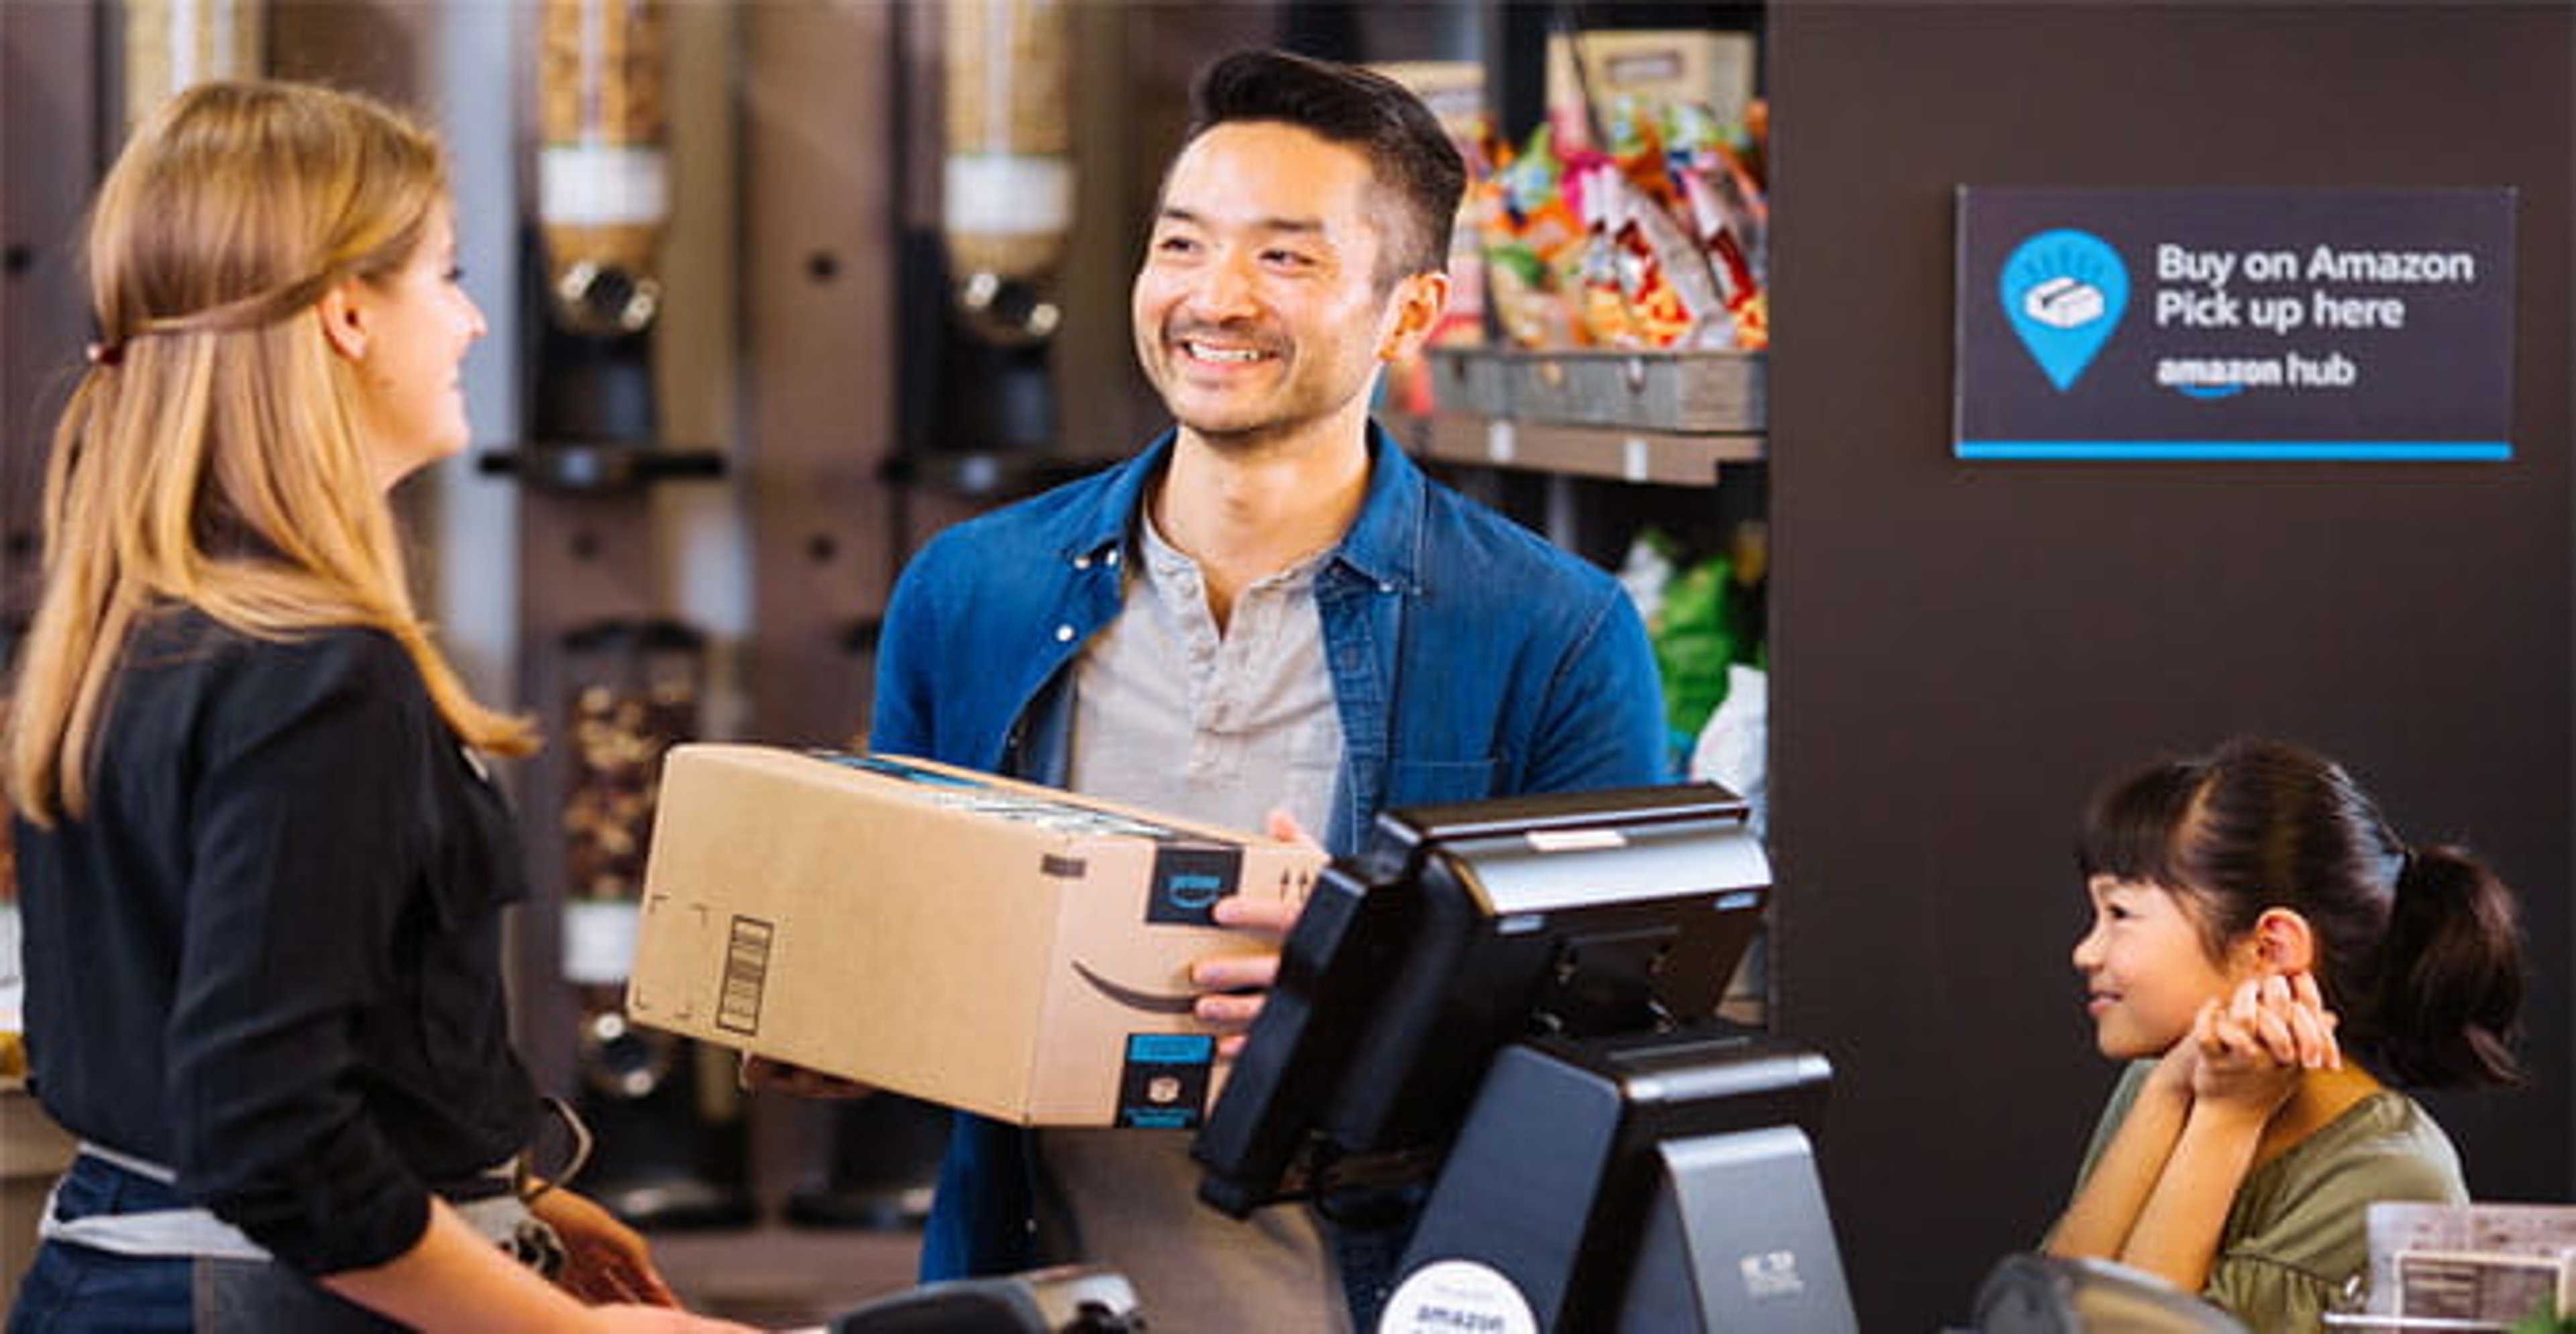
(2064, 290)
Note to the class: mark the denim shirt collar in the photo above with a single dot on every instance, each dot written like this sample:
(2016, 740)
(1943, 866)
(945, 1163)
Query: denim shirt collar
(1382, 548)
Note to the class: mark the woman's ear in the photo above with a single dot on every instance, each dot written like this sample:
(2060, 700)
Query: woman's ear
(2284, 942)
(344, 316)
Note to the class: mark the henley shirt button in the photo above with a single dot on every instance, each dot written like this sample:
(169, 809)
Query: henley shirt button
(1064, 634)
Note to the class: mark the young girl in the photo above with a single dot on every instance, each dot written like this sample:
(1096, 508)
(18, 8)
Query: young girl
(2255, 922)
(261, 873)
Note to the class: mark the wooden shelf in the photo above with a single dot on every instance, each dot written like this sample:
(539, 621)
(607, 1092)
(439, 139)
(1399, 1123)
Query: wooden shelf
(1661, 458)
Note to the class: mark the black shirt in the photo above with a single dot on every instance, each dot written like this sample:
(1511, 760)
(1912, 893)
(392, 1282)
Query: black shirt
(270, 955)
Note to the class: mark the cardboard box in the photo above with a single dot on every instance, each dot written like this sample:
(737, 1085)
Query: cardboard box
(982, 943)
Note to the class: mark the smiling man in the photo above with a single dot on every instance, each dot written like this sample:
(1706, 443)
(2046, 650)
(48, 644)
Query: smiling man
(1268, 617)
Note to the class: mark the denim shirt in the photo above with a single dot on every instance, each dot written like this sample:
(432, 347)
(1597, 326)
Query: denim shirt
(1469, 659)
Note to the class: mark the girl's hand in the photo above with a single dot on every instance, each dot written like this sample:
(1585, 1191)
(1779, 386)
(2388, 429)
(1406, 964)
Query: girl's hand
(2254, 1045)
(2173, 1074)
(2288, 1016)
(2312, 1024)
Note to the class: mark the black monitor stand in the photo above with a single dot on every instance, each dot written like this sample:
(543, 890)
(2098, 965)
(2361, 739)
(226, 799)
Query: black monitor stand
(1662, 1184)
(1515, 1001)
(1643, 1186)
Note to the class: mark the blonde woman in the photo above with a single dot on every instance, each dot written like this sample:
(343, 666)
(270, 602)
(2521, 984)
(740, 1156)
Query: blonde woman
(262, 871)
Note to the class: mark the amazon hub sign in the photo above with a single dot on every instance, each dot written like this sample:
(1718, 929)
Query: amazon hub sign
(1005, 948)
(2235, 324)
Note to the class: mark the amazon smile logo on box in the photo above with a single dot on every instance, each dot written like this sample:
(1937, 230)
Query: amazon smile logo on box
(1188, 880)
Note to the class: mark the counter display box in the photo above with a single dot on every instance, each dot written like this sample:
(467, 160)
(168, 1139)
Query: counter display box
(997, 946)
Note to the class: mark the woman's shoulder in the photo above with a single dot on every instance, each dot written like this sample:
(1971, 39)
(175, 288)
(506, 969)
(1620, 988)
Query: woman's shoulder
(195, 696)
(185, 640)
(183, 657)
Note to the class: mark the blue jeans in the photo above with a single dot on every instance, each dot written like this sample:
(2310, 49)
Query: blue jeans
(80, 1290)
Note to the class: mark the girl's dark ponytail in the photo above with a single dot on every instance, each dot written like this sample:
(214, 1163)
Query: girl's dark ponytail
(2450, 974)
(2417, 949)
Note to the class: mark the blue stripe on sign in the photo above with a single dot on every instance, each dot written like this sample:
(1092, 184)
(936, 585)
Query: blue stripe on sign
(2380, 451)
(1170, 1048)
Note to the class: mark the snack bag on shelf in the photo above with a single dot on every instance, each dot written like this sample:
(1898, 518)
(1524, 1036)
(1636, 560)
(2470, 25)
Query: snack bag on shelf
(1739, 282)
(1604, 317)
(1533, 241)
(1703, 620)
(1638, 147)
(1673, 295)
(1728, 221)
(1525, 301)
(1655, 244)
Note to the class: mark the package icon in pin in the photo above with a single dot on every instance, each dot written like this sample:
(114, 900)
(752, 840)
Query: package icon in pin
(2063, 303)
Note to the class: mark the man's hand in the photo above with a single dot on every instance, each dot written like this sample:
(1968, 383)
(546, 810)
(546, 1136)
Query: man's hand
(1234, 985)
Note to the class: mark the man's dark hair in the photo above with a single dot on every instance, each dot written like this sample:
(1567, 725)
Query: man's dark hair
(1407, 150)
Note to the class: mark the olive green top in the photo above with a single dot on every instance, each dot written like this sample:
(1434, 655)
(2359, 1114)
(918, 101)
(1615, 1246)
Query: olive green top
(2297, 1237)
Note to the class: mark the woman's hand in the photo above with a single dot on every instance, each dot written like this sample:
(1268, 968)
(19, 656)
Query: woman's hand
(604, 1260)
(658, 1320)
(455, 1279)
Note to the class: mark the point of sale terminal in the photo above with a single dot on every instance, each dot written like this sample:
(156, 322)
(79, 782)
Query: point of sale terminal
(1512, 1006)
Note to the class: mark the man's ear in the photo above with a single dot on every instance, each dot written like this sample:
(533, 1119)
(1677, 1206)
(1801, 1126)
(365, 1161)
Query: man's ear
(1419, 300)
(2284, 942)
(344, 314)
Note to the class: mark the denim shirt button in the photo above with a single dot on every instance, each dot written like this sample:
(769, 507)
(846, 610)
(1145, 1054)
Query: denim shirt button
(1082, 562)
(1064, 634)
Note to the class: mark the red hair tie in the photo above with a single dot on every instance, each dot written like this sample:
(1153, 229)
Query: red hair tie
(106, 354)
